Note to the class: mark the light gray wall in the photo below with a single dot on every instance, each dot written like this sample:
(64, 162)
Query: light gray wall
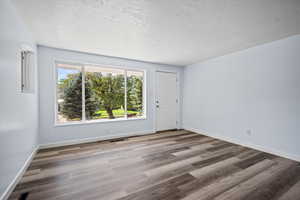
(49, 134)
(257, 89)
(18, 112)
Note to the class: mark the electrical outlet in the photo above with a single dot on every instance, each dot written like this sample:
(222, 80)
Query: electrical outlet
(249, 132)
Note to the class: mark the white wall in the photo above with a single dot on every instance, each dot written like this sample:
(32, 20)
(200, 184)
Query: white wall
(18, 112)
(49, 134)
(257, 89)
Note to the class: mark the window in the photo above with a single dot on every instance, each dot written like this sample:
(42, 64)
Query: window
(104, 93)
(69, 93)
(134, 93)
(94, 93)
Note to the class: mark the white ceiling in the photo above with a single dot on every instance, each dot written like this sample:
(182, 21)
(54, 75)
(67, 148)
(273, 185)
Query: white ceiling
(176, 32)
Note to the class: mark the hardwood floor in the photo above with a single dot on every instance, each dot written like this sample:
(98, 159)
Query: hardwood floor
(170, 165)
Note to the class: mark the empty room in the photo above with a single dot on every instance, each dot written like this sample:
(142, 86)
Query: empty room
(150, 100)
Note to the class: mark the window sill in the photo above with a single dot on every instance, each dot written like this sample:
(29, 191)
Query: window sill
(98, 121)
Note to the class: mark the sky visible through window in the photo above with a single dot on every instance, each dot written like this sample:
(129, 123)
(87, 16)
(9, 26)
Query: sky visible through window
(63, 73)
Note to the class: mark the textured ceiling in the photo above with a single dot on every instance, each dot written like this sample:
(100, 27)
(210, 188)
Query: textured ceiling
(176, 32)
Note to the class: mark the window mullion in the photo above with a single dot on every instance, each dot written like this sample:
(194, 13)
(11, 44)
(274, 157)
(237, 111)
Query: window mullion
(83, 92)
(125, 88)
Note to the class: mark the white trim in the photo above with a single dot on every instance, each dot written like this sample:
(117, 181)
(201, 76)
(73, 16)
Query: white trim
(248, 144)
(55, 92)
(145, 94)
(177, 97)
(94, 139)
(125, 95)
(83, 116)
(19, 175)
(98, 121)
(83, 62)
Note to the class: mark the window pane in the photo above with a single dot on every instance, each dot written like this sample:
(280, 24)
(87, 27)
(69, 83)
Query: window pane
(135, 93)
(104, 93)
(69, 93)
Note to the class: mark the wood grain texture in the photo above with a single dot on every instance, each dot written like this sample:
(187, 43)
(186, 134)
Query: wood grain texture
(170, 165)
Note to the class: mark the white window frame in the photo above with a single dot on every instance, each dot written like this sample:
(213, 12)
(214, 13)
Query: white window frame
(82, 69)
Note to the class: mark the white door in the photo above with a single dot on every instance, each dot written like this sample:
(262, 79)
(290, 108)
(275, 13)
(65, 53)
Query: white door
(166, 101)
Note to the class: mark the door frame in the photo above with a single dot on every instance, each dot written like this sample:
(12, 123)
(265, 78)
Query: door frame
(178, 124)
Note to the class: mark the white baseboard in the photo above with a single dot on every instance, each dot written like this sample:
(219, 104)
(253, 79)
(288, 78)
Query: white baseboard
(94, 139)
(19, 175)
(247, 144)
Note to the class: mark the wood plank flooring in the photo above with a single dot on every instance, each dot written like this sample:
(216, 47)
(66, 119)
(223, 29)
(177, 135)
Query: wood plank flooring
(169, 166)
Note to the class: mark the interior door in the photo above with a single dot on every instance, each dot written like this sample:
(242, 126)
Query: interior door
(166, 101)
